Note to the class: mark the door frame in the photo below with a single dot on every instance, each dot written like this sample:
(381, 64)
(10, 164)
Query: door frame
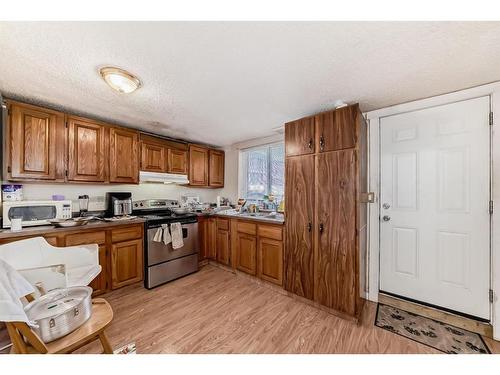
(373, 119)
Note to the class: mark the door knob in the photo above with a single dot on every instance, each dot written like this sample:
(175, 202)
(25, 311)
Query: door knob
(310, 144)
(386, 206)
(321, 143)
(386, 218)
(321, 228)
(309, 227)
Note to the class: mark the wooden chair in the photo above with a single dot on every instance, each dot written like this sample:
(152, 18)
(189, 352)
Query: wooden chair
(25, 341)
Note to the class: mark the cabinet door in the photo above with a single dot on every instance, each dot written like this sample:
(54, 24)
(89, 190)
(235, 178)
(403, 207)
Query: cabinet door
(87, 154)
(216, 169)
(246, 253)
(100, 283)
(126, 263)
(271, 260)
(177, 161)
(299, 137)
(36, 141)
(198, 166)
(335, 279)
(223, 247)
(123, 156)
(153, 158)
(212, 238)
(203, 237)
(299, 221)
(337, 129)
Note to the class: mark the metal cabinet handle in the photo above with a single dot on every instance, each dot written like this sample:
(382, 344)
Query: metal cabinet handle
(321, 228)
(321, 143)
(310, 144)
(309, 227)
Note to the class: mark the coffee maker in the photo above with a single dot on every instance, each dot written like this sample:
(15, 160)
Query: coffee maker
(118, 204)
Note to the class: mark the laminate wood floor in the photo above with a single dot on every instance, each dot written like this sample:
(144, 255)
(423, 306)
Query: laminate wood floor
(216, 311)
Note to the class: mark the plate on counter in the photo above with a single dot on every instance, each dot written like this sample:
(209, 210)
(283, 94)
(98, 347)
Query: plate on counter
(74, 222)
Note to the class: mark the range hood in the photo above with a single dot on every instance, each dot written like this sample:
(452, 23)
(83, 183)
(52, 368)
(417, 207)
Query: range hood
(163, 178)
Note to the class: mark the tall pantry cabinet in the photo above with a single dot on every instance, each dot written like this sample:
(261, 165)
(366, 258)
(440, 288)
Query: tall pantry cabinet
(325, 193)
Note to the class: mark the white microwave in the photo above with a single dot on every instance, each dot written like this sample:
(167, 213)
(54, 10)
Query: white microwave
(35, 212)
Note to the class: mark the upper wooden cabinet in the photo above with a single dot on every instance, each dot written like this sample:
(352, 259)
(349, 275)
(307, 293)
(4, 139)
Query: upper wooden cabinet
(216, 168)
(299, 137)
(335, 130)
(177, 161)
(87, 150)
(198, 165)
(35, 139)
(123, 156)
(206, 167)
(162, 155)
(153, 157)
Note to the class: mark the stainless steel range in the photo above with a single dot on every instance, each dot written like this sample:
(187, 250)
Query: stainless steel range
(161, 262)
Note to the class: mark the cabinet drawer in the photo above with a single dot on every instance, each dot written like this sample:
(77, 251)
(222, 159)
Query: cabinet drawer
(85, 238)
(222, 224)
(271, 231)
(126, 234)
(248, 228)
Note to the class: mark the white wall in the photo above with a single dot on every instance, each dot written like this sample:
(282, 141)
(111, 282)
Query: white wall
(97, 192)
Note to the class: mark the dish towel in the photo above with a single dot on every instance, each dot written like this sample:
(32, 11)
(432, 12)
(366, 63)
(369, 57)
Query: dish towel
(158, 235)
(176, 230)
(12, 288)
(166, 234)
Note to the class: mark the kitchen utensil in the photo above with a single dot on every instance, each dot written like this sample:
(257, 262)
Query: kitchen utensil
(60, 312)
(83, 201)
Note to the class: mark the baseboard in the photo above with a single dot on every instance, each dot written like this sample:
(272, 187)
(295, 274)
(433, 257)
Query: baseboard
(469, 324)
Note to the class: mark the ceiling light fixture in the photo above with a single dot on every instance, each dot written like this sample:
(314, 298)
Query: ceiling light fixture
(119, 79)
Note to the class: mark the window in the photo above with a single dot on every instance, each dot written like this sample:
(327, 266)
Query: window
(264, 171)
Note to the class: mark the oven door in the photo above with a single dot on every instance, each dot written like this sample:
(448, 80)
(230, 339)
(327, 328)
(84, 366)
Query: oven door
(158, 252)
(31, 215)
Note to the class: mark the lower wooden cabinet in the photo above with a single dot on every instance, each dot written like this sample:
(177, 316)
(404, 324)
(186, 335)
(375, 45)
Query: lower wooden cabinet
(126, 263)
(270, 260)
(257, 248)
(246, 253)
(223, 245)
(100, 283)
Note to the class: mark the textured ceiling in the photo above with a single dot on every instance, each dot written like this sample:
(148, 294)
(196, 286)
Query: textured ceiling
(222, 83)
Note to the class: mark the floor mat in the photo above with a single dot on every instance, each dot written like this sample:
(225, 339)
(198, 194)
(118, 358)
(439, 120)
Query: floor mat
(430, 332)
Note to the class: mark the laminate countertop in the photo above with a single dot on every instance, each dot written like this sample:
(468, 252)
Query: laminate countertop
(278, 219)
(44, 229)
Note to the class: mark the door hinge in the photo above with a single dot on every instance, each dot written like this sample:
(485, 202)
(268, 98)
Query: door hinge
(66, 173)
(9, 169)
(491, 295)
(66, 124)
(491, 118)
(491, 207)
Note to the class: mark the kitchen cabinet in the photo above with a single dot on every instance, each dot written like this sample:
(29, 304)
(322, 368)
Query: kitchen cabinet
(223, 242)
(299, 222)
(177, 161)
(87, 150)
(126, 263)
(270, 260)
(325, 246)
(100, 284)
(246, 258)
(299, 137)
(123, 156)
(153, 158)
(198, 165)
(203, 238)
(335, 130)
(35, 143)
(216, 168)
(212, 238)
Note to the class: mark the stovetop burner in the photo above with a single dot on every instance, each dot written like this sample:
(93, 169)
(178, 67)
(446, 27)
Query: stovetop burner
(158, 211)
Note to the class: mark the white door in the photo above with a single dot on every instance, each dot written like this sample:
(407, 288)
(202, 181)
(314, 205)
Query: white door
(434, 206)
